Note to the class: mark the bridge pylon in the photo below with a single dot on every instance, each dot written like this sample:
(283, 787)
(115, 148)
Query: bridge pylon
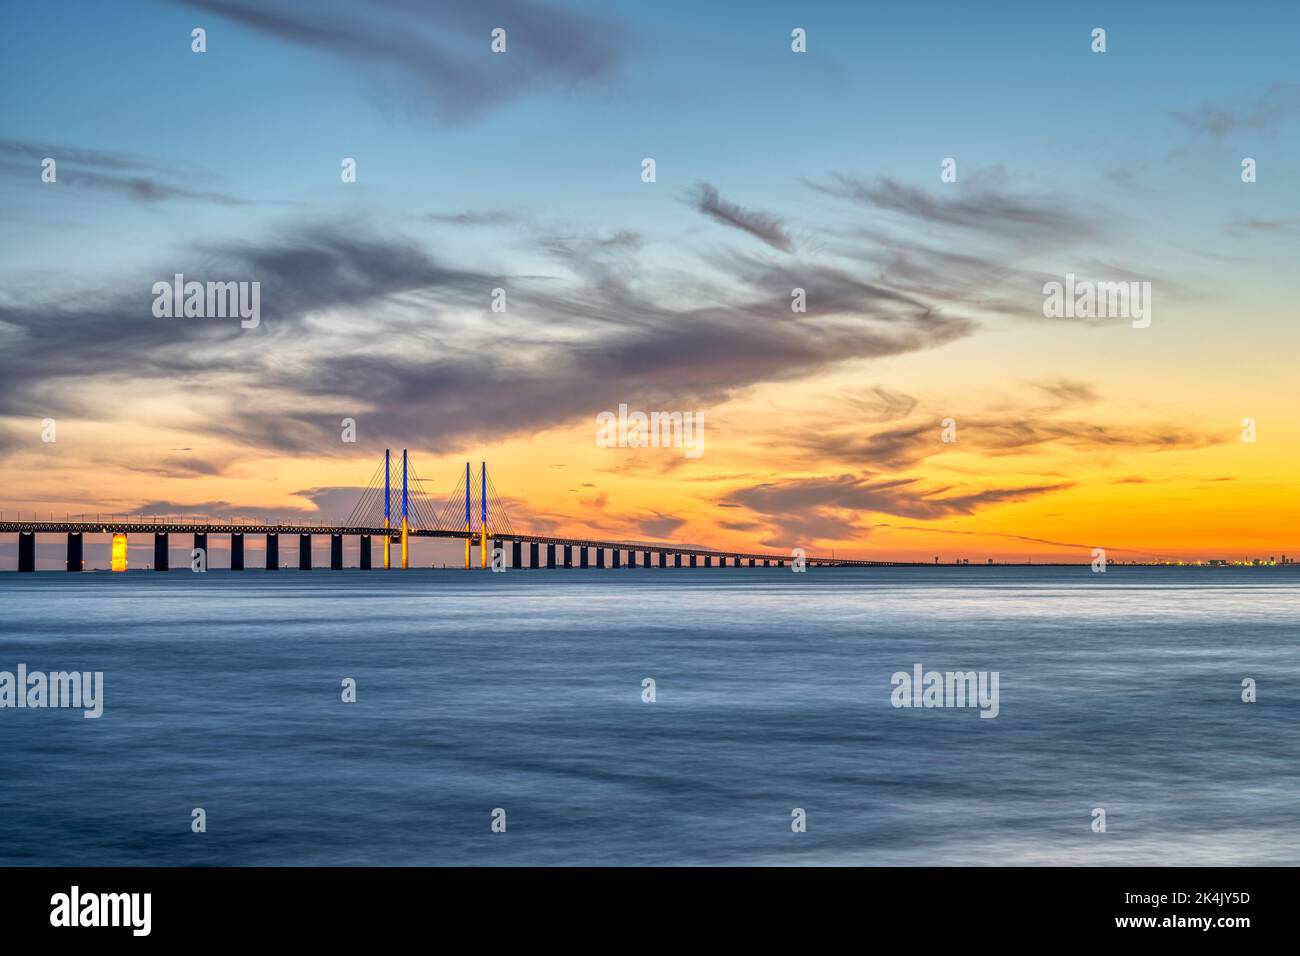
(483, 531)
(405, 525)
(388, 542)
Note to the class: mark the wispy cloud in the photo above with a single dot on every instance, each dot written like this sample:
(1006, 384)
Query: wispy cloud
(436, 57)
(758, 224)
(840, 506)
(981, 205)
(1262, 114)
(474, 217)
(121, 174)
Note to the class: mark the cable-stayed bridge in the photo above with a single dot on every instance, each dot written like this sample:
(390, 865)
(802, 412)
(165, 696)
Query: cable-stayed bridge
(393, 509)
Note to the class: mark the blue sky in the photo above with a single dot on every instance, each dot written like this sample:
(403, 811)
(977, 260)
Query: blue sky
(711, 95)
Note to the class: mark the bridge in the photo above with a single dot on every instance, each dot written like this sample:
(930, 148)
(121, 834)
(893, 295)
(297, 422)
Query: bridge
(392, 512)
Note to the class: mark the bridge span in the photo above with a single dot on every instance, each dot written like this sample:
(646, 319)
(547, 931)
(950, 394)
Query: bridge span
(500, 545)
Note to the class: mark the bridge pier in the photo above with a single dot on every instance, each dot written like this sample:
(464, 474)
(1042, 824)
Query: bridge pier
(272, 552)
(631, 558)
(615, 557)
(708, 560)
(780, 564)
(304, 552)
(161, 555)
(74, 550)
(532, 554)
(600, 557)
(693, 560)
(26, 551)
(751, 562)
(550, 555)
(663, 559)
(237, 551)
(568, 555)
(645, 560)
(365, 552)
(336, 552)
(201, 543)
(582, 556)
(677, 559)
(516, 554)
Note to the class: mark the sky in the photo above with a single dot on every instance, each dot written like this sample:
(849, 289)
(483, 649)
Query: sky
(774, 170)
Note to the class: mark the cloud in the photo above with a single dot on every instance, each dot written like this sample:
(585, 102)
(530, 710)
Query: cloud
(907, 445)
(660, 526)
(1067, 392)
(760, 225)
(837, 507)
(980, 205)
(474, 217)
(1272, 225)
(436, 58)
(121, 174)
(884, 405)
(368, 325)
(1264, 114)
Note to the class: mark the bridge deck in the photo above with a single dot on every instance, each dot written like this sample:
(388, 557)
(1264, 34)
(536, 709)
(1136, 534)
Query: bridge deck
(152, 526)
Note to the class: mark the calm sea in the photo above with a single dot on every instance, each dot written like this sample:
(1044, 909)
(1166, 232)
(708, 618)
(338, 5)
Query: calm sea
(523, 691)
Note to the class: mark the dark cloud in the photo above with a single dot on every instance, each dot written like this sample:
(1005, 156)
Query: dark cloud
(1263, 114)
(374, 328)
(759, 225)
(436, 57)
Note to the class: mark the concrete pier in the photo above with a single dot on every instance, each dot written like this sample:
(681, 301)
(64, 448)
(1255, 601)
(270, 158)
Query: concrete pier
(161, 555)
(272, 552)
(304, 552)
(365, 552)
(26, 551)
(236, 551)
(74, 551)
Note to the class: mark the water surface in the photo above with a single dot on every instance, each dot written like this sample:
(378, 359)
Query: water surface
(523, 691)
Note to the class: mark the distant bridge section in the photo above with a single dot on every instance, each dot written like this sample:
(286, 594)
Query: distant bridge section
(392, 511)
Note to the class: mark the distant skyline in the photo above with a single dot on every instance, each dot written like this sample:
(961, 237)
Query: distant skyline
(775, 171)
